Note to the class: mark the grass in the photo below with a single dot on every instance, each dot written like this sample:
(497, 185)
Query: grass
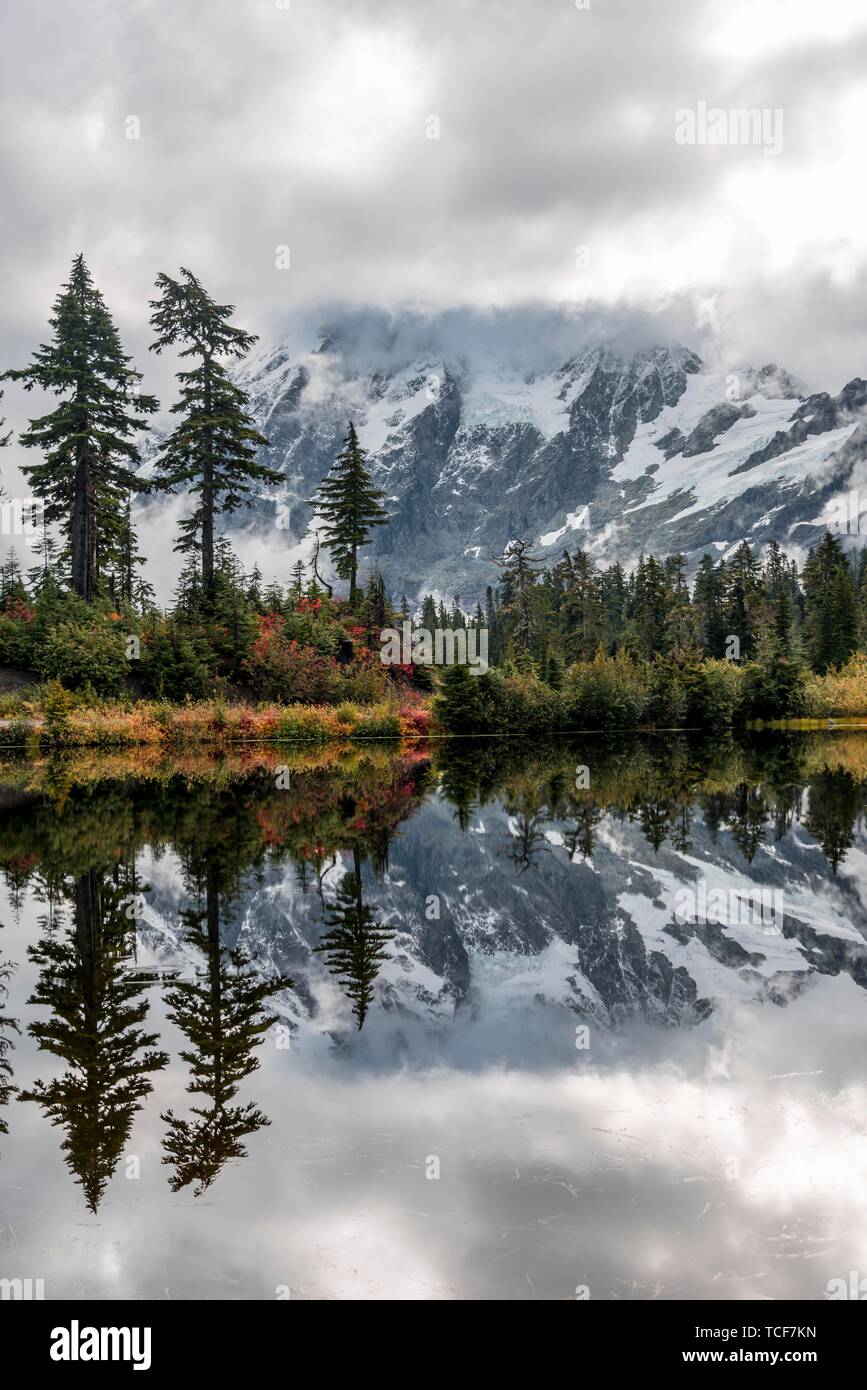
(54, 718)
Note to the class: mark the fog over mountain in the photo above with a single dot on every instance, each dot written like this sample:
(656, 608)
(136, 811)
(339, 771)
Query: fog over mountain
(600, 430)
(503, 218)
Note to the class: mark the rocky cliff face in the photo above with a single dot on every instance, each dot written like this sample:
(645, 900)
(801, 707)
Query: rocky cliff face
(617, 453)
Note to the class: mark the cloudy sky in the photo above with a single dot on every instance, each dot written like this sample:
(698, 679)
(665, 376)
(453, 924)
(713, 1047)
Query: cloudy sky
(514, 167)
(307, 124)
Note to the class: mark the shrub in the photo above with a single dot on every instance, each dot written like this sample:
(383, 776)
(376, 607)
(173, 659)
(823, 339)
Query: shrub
(303, 722)
(529, 706)
(17, 637)
(79, 654)
(280, 668)
(607, 692)
(774, 688)
(171, 667)
(56, 706)
(364, 680)
(712, 693)
(378, 723)
(842, 692)
(496, 703)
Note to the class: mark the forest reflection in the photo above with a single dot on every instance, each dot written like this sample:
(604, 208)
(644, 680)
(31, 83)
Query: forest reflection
(73, 836)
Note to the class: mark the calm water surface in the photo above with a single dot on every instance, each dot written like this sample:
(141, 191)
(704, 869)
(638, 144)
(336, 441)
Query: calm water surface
(482, 1021)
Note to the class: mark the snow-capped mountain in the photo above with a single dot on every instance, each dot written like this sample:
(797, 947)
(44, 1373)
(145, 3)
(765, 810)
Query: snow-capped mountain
(617, 452)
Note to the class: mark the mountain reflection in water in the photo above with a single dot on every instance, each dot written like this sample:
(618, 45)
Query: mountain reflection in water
(209, 978)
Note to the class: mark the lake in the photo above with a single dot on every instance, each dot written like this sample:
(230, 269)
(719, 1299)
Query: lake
(473, 1020)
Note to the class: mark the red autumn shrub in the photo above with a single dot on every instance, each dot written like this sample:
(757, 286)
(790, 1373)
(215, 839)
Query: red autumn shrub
(282, 669)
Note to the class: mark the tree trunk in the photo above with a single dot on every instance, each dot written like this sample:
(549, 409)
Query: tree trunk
(324, 584)
(208, 498)
(212, 908)
(82, 525)
(208, 533)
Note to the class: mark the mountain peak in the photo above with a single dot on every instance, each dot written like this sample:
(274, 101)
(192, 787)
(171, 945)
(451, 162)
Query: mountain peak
(614, 448)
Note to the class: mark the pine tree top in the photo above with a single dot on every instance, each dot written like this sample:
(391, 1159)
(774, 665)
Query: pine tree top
(185, 312)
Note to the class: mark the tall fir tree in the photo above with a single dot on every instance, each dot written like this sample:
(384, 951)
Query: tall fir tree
(520, 569)
(88, 440)
(649, 608)
(583, 613)
(212, 452)
(708, 606)
(831, 605)
(347, 507)
(743, 602)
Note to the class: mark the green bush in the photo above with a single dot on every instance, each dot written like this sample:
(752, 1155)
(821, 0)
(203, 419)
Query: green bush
(90, 653)
(171, 667)
(17, 640)
(666, 705)
(530, 705)
(774, 688)
(496, 703)
(608, 692)
(303, 722)
(377, 724)
(56, 704)
(712, 693)
(363, 681)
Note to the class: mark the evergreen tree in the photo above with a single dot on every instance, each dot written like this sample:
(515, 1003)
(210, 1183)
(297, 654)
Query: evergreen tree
(87, 441)
(582, 613)
(743, 603)
(354, 945)
(428, 613)
(831, 605)
(680, 625)
(615, 593)
(254, 587)
(649, 608)
(221, 1012)
(126, 584)
(212, 450)
(7, 1027)
(708, 607)
(44, 578)
(348, 506)
(458, 704)
(862, 599)
(273, 600)
(520, 570)
(94, 1027)
(296, 581)
(188, 593)
(375, 611)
